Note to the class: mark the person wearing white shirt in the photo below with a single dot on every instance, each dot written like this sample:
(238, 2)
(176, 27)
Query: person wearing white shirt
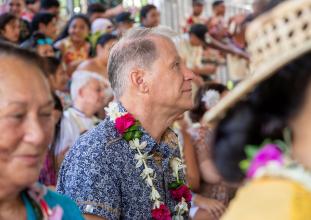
(88, 94)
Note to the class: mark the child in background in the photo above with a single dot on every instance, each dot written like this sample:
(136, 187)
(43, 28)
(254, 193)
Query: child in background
(42, 45)
(72, 42)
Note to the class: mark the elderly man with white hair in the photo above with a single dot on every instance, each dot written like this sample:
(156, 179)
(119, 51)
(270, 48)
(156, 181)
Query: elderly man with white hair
(87, 92)
(130, 165)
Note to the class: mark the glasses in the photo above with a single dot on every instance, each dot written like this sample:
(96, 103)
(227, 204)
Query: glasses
(44, 41)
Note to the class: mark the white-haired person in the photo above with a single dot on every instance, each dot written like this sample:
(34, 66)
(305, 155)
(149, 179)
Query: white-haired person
(87, 91)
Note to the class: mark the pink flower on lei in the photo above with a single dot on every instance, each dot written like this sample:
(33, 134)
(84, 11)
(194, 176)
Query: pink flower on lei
(124, 122)
(270, 152)
(161, 213)
(182, 191)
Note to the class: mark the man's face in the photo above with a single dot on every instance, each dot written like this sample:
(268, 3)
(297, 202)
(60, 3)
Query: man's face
(197, 9)
(16, 7)
(169, 79)
(220, 10)
(152, 19)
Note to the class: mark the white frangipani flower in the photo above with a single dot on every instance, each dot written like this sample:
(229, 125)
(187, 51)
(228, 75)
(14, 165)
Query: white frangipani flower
(134, 144)
(157, 204)
(211, 98)
(141, 159)
(146, 172)
(176, 165)
(113, 111)
(182, 207)
(154, 194)
(149, 181)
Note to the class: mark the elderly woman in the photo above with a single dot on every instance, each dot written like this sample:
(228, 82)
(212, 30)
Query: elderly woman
(26, 129)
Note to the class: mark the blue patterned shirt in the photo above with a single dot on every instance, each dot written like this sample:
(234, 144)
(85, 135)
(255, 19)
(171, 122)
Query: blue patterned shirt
(99, 173)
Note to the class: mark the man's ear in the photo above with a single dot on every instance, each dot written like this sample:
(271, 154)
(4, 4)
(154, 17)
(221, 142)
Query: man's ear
(138, 80)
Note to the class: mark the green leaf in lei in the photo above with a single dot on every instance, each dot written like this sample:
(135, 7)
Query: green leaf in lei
(175, 184)
(133, 132)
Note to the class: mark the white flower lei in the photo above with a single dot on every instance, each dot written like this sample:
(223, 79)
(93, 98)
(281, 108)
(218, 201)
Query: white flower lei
(290, 170)
(148, 173)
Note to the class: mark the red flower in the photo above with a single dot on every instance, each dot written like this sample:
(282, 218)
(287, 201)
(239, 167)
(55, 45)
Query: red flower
(124, 122)
(182, 191)
(161, 213)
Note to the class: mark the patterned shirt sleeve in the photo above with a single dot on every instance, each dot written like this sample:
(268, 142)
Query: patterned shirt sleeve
(88, 176)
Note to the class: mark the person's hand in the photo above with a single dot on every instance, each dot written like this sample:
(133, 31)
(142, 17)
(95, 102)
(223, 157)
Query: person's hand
(212, 206)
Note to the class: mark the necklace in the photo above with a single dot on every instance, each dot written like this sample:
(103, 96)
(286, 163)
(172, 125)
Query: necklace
(130, 130)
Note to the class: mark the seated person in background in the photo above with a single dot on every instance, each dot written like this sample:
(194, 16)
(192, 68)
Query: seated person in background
(124, 22)
(216, 24)
(58, 79)
(32, 7)
(211, 196)
(73, 42)
(99, 27)
(16, 7)
(149, 16)
(9, 28)
(87, 92)
(191, 47)
(44, 23)
(26, 130)
(196, 16)
(98, 64)
(95, 11)
(42, 45)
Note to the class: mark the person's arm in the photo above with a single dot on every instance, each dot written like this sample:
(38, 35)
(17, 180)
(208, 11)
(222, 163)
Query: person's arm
(193, 174)
(207, 69)
(226, 48)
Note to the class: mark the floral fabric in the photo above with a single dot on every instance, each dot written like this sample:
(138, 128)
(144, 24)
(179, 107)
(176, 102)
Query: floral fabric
(99, 173)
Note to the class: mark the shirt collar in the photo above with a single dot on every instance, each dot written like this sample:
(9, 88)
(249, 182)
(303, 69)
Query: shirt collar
(169, 144)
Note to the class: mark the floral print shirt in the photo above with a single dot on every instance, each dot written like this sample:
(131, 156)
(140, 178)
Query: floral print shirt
(99, 173)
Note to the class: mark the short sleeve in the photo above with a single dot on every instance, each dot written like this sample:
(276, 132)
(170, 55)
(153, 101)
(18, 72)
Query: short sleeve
(89, 177)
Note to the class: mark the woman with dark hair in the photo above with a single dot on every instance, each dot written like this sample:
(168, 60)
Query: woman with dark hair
(73, 43)
(9, 28)
(266, 137)
(26, 129)
(213, 195)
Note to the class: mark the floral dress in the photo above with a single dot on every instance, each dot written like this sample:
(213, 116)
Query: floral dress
(72, 54)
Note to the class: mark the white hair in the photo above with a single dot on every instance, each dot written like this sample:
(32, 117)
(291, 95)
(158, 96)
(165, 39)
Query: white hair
(80, 78)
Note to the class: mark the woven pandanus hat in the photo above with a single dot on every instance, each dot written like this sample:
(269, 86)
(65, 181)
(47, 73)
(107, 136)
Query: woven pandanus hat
(274, 39)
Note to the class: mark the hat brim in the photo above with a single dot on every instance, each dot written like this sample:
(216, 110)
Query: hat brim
(261, 73)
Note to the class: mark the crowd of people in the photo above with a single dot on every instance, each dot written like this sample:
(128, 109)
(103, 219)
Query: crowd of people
(103, 117)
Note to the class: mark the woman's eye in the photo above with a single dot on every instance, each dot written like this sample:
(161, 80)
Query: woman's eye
(46, 114)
